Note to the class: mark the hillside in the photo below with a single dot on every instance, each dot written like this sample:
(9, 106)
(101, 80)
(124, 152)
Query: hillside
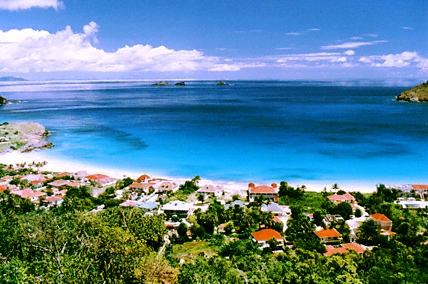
(417, 94)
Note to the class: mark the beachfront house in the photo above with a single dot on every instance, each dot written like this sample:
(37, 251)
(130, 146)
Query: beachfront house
(338, 198)
(265, 191)
(210, 190)
(329, 236)
(101, 179)
(263, 236)
(165, 186)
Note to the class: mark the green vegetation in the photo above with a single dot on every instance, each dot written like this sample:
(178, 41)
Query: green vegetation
(416, 94)
(71, 244)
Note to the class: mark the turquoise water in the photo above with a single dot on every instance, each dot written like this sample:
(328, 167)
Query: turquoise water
(247, 131)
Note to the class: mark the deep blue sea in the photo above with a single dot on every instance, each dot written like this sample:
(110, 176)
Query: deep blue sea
(246, 131)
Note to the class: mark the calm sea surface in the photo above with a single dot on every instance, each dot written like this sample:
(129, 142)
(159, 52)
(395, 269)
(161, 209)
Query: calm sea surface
(247, 131)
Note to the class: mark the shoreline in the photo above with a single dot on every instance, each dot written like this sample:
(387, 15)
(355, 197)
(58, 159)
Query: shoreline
(63, 165)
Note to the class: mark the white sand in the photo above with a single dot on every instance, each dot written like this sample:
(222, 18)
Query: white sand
(61, 165)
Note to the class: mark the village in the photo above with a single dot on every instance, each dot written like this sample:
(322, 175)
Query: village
(337, 230)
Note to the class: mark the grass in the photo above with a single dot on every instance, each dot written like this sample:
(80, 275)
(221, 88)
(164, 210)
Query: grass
(309, 202)
(192, 249)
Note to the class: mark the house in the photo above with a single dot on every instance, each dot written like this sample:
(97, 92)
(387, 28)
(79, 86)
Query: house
(263, 236)
(266, 191)
(178, 208)
(234, 204)
(30, 194)
(276, 209)
(344, 248)
(384, 222)
(143, 178)
(128, 203)
(166, 186)
(147, 188)
(101, 179)
(209, 189)
(147, 206)
(59, 183)
(338, 198)
(329, 236)
(54, 200)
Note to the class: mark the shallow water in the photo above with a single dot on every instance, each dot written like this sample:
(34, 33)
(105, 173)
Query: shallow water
(248, 131)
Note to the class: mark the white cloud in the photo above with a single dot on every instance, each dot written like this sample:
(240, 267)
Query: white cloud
(302, 33)
(27, 4)
(357, 38)
(349, 52)
(91, 31)
(294, 34)
(40, 51)
(407, 28)
(350, 45)
(399, 60)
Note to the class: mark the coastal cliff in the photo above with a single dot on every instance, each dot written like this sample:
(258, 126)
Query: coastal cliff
(417, 94)
(23, 137)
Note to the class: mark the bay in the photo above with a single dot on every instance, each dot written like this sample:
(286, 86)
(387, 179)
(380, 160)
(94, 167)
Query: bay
(246, 131)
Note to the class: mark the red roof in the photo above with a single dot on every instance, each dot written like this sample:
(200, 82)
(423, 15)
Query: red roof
(3, 188)
(100, 178)
(380, 217)
(266, 234)
(276, 219)
(139, 185)
(342, 197)
(330, 233)
(344, 249)
(420, 187)
(53, 198)
(263, 189)
(354, 246)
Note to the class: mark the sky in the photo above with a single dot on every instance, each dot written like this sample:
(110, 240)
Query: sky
(223, 39)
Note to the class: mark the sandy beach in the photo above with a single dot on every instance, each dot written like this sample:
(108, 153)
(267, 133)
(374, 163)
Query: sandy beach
(61, 165)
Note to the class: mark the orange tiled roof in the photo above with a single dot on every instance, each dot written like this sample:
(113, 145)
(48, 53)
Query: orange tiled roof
(139, 185)
(420, 187)
(266, 234)
(53, 198)
(332, 250)
(380, 217)
(330, 233)
(263, 189)
(3, 188)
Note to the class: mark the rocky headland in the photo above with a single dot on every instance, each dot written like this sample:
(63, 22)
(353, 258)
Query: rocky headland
(416, 94)
(23, 137)
(3, 101)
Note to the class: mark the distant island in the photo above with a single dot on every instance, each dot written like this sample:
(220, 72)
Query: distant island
(416, 94)
(11, 79)
(23, 137)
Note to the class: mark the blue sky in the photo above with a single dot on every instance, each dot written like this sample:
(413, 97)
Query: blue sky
(137, 39)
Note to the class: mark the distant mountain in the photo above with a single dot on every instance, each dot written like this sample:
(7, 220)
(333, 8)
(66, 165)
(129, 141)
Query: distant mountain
(9, 79)
(417, 94)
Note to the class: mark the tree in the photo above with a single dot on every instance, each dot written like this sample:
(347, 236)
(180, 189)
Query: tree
(343, 209)
(358, 213)
(300, 232)
(368, 233)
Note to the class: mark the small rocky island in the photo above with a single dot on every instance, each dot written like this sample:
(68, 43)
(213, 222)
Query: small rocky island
(23, 137)
(3, 101)
(417, 94)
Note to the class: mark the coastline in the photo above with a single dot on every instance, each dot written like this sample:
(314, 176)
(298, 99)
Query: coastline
(63, 165)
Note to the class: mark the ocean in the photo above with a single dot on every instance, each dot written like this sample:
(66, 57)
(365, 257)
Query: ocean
(247, 131)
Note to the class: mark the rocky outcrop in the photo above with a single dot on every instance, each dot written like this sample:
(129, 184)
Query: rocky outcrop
(222, 83)
(161, 83)
(3, 101)
(23, 137)
(417, 94)
(180, 83)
